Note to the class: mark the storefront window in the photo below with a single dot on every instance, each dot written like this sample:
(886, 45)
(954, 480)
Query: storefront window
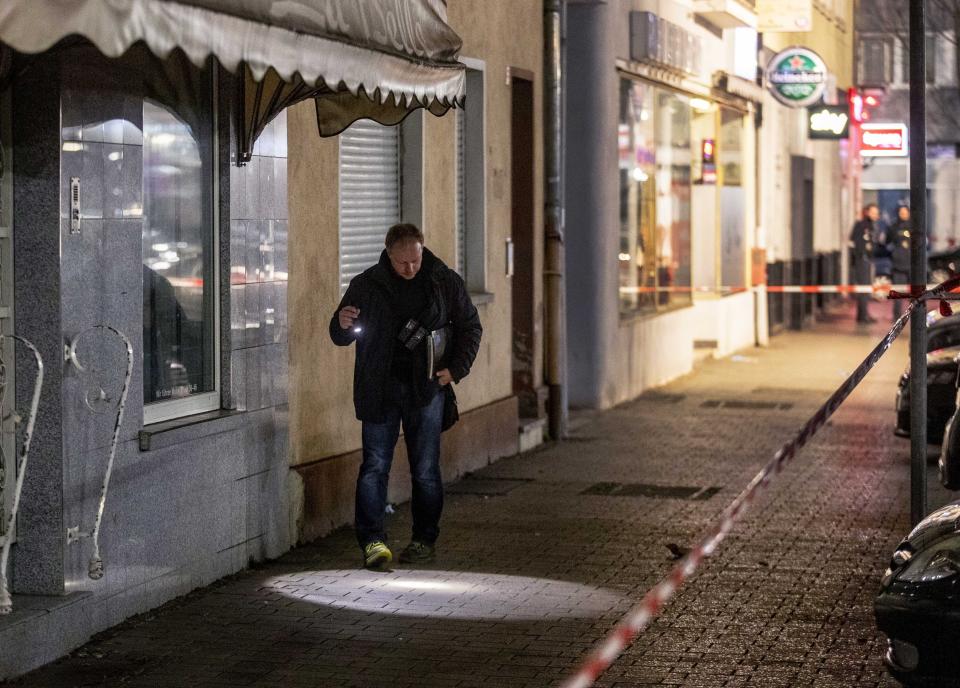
(732, 201)
(178, 256)
(654, 163)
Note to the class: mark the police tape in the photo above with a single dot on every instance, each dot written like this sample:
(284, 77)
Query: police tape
(883, 288)
(653, 602)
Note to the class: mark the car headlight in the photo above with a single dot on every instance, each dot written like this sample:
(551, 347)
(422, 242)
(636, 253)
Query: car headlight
(934, 564)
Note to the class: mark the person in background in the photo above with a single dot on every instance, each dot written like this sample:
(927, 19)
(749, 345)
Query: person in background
(861, 257)
(898, 242)
(882, 262)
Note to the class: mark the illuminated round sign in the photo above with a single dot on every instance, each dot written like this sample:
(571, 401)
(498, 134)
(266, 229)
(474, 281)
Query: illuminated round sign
(797, 77)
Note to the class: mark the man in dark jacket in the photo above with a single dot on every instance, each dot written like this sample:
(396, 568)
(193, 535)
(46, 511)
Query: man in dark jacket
(391, 311)
(899, 245)
(861, 257)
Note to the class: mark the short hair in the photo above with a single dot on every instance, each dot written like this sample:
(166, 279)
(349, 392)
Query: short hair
(868, 206)
(402, 233)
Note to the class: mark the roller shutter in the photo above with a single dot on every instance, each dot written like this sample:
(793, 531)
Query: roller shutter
(369, 194)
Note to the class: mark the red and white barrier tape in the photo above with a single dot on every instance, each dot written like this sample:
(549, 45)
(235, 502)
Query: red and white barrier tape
(657, 597)
(778, 289)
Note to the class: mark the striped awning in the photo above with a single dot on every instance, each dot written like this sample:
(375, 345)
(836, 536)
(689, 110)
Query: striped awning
(376, 59)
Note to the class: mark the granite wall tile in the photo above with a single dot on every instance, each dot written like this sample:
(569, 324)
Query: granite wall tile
(132, 120)
(237, 206)
(238, 379)
(268, 311)
(71, 165)
(280, 141)
(238, 315)
(132, 181)
(254, 262)
(253, 335)
(281, 323)
(39, 563)
(281, 211)
(268, 189)
(251, 188)
(82, 273)
(113, 180)
(253, 375)
(238, 251)
(91, 180)
(71, 114)
(281, 263)
(266, 248)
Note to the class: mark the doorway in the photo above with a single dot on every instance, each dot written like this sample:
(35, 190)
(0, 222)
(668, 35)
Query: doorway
(802, 262)
(525, 379)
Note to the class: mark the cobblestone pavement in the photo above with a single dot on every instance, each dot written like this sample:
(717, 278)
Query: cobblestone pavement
(542, 553)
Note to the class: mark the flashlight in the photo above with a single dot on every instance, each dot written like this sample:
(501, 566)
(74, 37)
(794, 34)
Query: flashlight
(357, 329)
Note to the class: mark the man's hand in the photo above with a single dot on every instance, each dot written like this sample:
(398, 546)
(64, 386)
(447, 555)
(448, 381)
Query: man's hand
(444, 377)
(347, 316)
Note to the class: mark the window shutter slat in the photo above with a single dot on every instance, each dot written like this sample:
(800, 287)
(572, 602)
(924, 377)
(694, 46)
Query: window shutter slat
(369, 194)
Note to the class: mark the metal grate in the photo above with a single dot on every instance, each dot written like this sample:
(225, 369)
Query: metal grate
(662, 397)
(652, 491)
(750, 405)
(489, 487)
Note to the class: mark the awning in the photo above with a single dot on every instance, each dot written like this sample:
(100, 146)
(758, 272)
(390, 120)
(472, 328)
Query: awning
(378, 59)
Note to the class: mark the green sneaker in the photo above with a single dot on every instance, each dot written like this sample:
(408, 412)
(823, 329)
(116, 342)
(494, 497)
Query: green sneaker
(376, 555)
(418, 553)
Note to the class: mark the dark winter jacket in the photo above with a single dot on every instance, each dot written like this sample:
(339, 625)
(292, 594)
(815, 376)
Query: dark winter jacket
(861, 251)
(374, 292)
(898, 239)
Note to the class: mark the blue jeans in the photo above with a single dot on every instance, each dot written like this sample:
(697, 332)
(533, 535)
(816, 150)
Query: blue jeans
(421, 432)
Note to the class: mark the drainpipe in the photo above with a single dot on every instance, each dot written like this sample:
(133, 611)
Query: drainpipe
(554, 259)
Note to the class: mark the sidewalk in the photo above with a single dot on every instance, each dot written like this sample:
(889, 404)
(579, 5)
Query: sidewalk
(542, 553)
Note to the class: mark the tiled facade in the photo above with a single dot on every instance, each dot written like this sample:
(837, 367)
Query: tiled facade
(258, 273)
(190, 500)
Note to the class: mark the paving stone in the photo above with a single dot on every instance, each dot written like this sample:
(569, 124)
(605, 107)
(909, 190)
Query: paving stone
(529, 578)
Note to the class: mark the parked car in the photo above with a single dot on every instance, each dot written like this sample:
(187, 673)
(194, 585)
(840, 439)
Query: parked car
(943, 345)
(918, 607)
(944, 264)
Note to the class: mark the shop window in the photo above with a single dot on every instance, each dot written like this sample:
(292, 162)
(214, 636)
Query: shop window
(179, 261)
(471, 259)
(732, 200)
(655, 176)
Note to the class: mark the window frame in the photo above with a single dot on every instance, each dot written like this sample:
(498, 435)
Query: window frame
(887, 68)
(474, 252)
(172, 409)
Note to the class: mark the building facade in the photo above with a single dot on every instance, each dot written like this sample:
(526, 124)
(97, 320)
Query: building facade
(809, 188)
(661, 195)
(145, 226)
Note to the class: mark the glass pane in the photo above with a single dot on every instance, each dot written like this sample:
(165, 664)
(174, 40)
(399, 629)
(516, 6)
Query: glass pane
(637, 153)
(673, 179)
(732, 200)
(178, 269)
